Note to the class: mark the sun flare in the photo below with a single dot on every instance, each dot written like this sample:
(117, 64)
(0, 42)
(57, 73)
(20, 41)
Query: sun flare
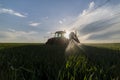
(67, 34)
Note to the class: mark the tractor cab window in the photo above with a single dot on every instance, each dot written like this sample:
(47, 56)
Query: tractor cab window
(59, 34)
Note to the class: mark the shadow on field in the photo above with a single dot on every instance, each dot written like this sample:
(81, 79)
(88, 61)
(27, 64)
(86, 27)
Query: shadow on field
(45, 62)
(32, 62)
(108, 59)
(104, 55)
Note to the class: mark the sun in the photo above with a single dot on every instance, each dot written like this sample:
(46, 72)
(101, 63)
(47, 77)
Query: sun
(67, 34)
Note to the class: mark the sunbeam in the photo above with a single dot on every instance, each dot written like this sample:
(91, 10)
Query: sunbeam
(67, 34)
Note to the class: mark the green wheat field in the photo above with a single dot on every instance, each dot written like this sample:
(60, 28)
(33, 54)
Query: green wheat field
(34, 61)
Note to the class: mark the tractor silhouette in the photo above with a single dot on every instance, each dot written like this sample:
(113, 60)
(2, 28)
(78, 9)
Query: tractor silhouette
(60, 39)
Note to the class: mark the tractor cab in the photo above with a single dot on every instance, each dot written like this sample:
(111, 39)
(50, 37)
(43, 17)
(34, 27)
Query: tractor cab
(58, 39)
(60, 34)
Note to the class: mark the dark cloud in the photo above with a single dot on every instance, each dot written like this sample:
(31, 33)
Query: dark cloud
(105, 36)
(98, 25)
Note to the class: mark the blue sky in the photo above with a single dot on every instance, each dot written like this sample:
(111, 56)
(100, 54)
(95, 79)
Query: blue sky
(33, 20)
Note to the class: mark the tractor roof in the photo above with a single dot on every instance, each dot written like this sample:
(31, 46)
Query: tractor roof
(62, 32)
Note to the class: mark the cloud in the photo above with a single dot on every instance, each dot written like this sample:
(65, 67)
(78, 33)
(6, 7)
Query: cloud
(62, 21)
(11, 12)
(12, 35)
(91, 5)
(34, 24)
(20, 33)
(90, 8)
(98, 24)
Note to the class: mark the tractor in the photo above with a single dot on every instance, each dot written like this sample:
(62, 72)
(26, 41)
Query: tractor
(60, 38)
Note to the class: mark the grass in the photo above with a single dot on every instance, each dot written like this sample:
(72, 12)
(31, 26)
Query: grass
(45, 62)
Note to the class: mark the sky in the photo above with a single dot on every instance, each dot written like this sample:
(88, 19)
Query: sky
(35, 20)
